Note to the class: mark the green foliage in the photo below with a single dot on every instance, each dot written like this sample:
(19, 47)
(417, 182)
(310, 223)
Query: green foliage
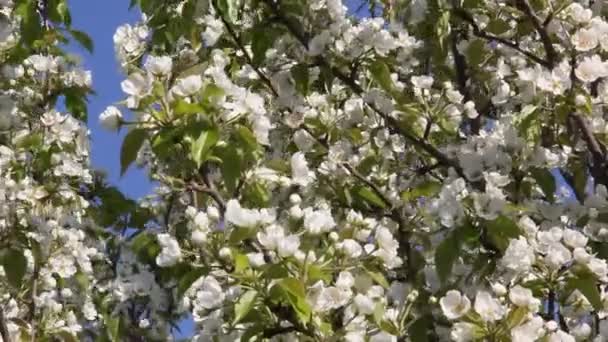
(130, 147)
(15, 265)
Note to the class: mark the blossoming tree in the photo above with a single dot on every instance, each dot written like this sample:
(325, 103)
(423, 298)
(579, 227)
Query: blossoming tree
(392, 171)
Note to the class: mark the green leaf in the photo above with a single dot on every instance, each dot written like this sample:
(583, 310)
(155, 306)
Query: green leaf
(274, 271)
(586, 283)
(228, 9)
(546, 181)
(299, 73)
(369, 196)
(426, 189)
(293, 291)
(182, 107)
(263, 37)
(419, 330)
(31, 28)
(58, 12)
(130, 147)
(247, 137)
(516, 317)
(445, 255)
(378, 313)
(498, 26)
(241, 262)
(244, 305)
(201, 147)
(76, 104)
(83, 39)
(501, 231)
(15, 265)
(112, 324)
(450, 248)
(240, 233)
(146, 247)
(231, 167)
(382, 75)
(476, 52)
(378, 278)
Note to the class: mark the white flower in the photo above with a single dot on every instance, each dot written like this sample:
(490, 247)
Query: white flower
(137, 86)
(243, 217)
(529, 331)
(557, 255)
(522, 296)
(383, 337)
(110, 118)
(198, 237)
(43, 63)
(561, 336)
(332, 298)
(345, 280)
(364, 304)
(503, 93)
(579, 13)
(422, 82)
(288, 246)
(300, 173)
(488, 307)
(591, 68)
(574, 238)
(256, 259)
(159, 66)
(463, 332)
(261, 128)
(585, 39)
(170, 253)
(317, 44)
(454, 305)
(187, 86)
(470, 110)
(210, 295)
(519, 255)
(213, 31)
(318, 221)
(598, 267)
(351, 248)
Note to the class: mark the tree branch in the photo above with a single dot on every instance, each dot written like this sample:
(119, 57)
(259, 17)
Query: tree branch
(484, 35)
(241, 47)
(598, 169)
(550, 53)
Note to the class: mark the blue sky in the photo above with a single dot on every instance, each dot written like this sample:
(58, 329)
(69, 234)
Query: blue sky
(100, 18)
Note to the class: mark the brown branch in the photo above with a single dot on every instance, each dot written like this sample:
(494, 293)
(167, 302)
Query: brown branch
(598, 169)
(3, 327)
(241, 47)
(209, 189)
(484, 35)
(551, 54)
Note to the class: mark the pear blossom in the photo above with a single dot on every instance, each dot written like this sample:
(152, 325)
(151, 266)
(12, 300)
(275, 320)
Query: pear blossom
(110, 118)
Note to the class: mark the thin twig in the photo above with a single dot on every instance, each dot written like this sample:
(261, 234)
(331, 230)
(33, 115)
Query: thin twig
(484, 35)
(241, 47)
(551, 54)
